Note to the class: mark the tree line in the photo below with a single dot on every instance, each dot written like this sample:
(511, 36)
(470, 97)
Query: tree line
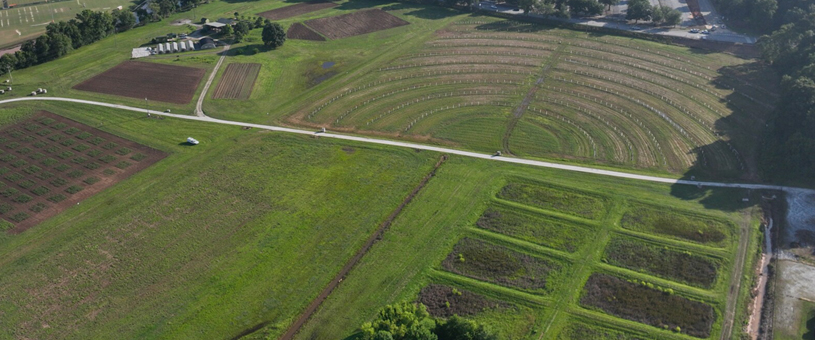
(409, 321)
(789, 147)
(65, 36)
(763, 16)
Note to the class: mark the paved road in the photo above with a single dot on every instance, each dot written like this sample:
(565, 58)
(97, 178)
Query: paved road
(543, 164)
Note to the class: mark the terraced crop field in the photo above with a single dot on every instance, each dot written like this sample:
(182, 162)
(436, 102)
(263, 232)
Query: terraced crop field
(587, 276)
(538, 92)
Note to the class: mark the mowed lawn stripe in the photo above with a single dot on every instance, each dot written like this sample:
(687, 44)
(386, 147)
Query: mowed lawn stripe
(237, 81)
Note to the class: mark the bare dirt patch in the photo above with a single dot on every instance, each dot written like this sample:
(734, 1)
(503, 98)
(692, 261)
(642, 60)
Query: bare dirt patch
(794, 287)
(295, 10)
(444, 301)
(49, 163)
(300, 31)
(134, 79)
(357, 23)
(237, 81)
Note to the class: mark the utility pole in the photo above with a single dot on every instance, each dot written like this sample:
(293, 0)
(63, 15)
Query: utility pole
(147, 104)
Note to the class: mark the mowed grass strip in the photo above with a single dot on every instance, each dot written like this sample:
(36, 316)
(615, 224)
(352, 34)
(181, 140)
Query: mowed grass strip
(581, 330)
(677, 225)
(662, 261)
(549, 198)
(135, 79)
(638, 302)
(357, 23)
(237, 81)
(534, 228)
(498, 264)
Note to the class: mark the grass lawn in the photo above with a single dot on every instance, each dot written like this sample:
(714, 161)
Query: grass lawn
(245, 228)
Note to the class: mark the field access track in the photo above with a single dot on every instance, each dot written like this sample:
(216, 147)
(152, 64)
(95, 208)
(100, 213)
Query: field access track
(134, 79)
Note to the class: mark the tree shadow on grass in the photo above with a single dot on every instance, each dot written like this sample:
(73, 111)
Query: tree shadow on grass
(810, 327)
(422, 11)
(733, 157)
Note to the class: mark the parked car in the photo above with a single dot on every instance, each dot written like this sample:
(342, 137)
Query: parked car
(693, 30)
(705, 32)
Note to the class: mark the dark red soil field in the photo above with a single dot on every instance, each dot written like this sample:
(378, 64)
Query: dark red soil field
(637, 302)
(159, 82)
(300, 31)
(349, 25)
(443, 301)
(49, 163)
(237, 81)
(295, 10)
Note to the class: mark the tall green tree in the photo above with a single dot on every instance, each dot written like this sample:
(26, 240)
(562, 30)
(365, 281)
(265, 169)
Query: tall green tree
(124, 20)
(273, 35)
(403, 321)
(457, 328)
(638, 10)
(609, 3)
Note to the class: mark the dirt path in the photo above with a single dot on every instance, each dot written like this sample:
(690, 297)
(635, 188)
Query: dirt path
(521, 108)
(758, 303)
(198, 111)
(735, 280)
(377, 235)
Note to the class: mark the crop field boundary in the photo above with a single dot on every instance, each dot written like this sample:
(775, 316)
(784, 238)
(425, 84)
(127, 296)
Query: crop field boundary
(491, 289)
(377, 235)
(717, 253)
(544, 214)
(701, 294)
(519, 244)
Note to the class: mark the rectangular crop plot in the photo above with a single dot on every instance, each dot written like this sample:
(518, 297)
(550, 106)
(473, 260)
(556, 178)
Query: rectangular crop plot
(237, 81)
(667, 263)
(444, 301)
(300, 31)
(676, 225)
(638, 302)
(497, 264)
(47, 186)
(537, 229)
(159, 82)
(541, 196)
(357, 23)
(295, 10)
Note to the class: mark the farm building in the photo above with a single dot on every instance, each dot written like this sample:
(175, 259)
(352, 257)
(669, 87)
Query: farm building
(182, 46)
(207, 43)
(168, 48)
(140, 52)
(175, 46)
(190, 45)
(214, 26)
(160, 49)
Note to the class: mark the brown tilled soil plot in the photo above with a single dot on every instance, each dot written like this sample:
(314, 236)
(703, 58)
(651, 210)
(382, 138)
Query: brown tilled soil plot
(164, 83)
(237, 81)
(295, 10)
(349, 25)
(49, 163)
(300, 31)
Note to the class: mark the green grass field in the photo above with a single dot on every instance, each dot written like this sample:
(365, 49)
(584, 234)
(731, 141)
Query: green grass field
(241, 232)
